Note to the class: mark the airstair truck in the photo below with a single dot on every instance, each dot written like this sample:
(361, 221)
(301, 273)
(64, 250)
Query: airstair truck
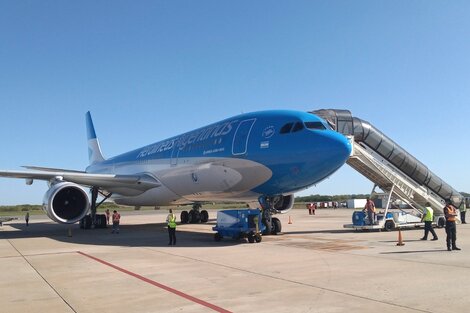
(392, 217)
(390, 167)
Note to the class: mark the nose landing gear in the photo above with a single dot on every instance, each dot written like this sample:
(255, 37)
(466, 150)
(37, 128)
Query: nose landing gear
(273, 224)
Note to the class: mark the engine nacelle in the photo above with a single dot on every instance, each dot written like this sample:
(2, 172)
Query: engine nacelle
(283, 204)
(66, 203)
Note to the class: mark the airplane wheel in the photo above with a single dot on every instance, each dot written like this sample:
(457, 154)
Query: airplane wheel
(269, 227)
(184, 217)
(204, 216)
(277, 226)
(196, 217)
(251, 237)
(191, 217)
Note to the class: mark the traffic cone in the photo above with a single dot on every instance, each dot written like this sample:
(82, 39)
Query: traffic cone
(290, 220)
(400, 239)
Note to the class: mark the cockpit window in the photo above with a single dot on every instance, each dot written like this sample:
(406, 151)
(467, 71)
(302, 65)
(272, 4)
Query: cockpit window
(286, 128)
(297, 127)
(315, 125)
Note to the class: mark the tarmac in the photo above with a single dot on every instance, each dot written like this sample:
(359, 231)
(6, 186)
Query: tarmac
(315, 265)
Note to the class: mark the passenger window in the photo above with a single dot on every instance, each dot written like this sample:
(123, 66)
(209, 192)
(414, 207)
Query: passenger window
(297, 127)
(315, 125)
(286, 128)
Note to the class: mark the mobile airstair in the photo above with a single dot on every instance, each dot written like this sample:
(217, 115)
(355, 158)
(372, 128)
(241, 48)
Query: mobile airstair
(390, 167)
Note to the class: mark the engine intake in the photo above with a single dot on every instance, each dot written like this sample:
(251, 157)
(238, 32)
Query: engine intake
(66, 203)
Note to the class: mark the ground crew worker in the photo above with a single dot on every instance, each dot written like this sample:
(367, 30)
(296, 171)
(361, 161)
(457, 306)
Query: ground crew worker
(256, 222)
(450, 213)
(463, 211)
(311, 208)
(116, 221)
(171, 221)
(428, 216)
(370, 209)
(26, 218)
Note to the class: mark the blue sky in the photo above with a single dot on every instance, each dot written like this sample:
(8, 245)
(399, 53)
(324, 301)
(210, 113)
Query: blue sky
(148, 70)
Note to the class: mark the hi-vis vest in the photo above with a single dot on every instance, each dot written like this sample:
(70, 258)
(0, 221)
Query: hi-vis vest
(172, 220)
(429, 214)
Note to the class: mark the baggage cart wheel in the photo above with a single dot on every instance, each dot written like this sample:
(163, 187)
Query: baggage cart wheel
(258, 237)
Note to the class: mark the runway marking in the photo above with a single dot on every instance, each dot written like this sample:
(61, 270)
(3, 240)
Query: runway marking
(156, 284)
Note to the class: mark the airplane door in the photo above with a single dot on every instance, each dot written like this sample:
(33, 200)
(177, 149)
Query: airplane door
(240, 139)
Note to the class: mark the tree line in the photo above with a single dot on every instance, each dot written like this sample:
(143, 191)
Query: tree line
(325, 198)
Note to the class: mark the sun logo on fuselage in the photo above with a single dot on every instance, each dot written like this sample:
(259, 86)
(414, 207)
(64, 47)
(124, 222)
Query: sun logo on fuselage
(268, 132)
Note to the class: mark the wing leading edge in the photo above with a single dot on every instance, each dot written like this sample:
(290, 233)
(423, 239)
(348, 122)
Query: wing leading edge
(139, 182)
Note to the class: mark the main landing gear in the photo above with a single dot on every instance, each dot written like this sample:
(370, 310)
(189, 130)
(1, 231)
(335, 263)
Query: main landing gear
(273, 224)
(195, 215)
(93, 220)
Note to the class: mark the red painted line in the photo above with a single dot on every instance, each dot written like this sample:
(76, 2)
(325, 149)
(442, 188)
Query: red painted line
(152, 282)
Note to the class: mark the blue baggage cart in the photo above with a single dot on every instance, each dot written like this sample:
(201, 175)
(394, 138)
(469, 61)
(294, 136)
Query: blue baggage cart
(238, 224)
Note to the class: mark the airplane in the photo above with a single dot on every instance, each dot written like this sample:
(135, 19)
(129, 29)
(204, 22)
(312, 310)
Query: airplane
(261, 157)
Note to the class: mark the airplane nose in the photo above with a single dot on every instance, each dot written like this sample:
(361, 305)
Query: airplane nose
(336, 150)
(344, 147)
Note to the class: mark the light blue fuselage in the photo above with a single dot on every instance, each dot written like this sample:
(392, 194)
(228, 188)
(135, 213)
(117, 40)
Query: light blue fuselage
(237, 159)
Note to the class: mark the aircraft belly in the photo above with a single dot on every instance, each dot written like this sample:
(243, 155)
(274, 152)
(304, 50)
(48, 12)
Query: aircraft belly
(219, 177)
(153, 197)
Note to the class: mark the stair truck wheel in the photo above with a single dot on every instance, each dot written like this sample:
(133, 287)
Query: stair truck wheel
(441, 222)
(388, 225)
(184, 217)
(204, 216)
(217, 237)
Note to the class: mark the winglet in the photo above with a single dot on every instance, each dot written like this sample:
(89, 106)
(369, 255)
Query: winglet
(94, 150)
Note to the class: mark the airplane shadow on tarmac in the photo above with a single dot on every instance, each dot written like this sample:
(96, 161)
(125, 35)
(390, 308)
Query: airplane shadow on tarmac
(136, 235)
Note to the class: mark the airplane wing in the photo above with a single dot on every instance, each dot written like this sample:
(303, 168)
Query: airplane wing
(140, 182)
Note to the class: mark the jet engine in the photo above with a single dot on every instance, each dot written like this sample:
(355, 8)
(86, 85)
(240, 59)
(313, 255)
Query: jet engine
(66, 203)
